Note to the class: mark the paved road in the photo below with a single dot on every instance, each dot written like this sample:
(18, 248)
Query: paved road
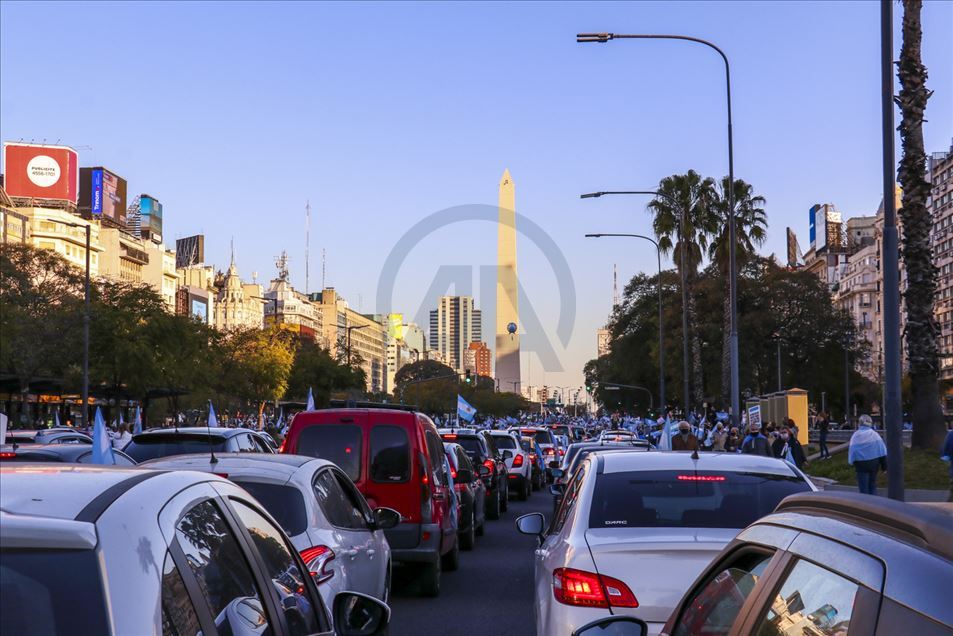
(491, 593)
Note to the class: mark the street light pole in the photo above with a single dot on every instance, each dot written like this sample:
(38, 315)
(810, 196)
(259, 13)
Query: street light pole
(347, 346)
(732, 239)
(661, 328)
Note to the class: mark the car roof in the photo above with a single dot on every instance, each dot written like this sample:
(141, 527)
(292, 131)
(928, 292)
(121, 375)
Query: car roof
(71, 451)
(275, 465)
(194, 430)
(618, 462)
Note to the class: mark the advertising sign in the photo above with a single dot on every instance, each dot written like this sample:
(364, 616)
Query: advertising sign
(812, 225)
(189, 251)
(150, 211)
(40, 171)
(199, 309)
(395, 326)
(103, 194)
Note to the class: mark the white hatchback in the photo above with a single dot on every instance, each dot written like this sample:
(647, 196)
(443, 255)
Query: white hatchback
(330, 524)
(519, 467)
(635, 529)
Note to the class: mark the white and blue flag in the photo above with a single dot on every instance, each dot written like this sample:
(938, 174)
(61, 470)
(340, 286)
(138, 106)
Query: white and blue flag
(464, 410)
(310, 406)
(102, 445)
(212, 420)
(137, 422)
(665, 437)
(56, 418)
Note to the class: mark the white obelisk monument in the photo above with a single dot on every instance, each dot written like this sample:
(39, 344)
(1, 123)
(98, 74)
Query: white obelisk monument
(507, 305)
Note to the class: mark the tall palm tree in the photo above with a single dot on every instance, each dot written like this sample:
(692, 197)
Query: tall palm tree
(919, 297)
(683, 222)
(751, 229)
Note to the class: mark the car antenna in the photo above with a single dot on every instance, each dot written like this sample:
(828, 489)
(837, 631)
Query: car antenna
(211, 446)
(695, 454)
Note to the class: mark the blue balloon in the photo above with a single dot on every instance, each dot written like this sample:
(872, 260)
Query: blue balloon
(511, 328)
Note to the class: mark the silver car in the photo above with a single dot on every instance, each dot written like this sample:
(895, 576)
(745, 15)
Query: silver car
(330, 524)
(634, 530)
(115, 551)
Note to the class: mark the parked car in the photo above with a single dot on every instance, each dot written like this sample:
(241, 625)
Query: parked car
(44, 436)
(164, 442)
(70, 453)
(471, 494)
(328, 521)
(482, 454)
(103, 550)
(635, 528)
(538, 472)
(518, 466)
(395, 457)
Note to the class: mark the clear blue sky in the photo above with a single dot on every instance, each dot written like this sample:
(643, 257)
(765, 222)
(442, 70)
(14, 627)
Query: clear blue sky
(380, 114)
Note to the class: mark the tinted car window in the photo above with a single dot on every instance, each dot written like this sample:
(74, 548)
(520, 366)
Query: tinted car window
(390, 454)
(812, 600)
(569, 500)
(145, 447)
(223, 574)
(472, 447)
(121, 458)
(713, 610)
(340, 444)
(178, 613)
(245, 444)
(504, 442)
(543, 437)
(51, 592)
(284, 503)
(335, 504)
(676, 499)
(282, 569)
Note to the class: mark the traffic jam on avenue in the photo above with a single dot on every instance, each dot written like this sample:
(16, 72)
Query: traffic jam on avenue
(201, 436)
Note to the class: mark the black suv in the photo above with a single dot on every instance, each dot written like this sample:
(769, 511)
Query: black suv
(481, 451)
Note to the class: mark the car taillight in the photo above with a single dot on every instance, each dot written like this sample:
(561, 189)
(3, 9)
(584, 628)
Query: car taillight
(586, 589)
(549, 451)
(532, 457)
(489, 464)
(453, 472)
(317, 559)
(7, 455)
(281, 448)
(561, 452)
(517, 461)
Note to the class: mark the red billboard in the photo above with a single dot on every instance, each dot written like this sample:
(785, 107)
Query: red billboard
(41, 172)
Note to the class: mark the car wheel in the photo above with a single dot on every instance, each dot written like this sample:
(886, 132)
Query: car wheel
(468, 538)
(505, 499)
(387, 579)
(524, 490)
(430, 579)
(451, 560)
(493, 507)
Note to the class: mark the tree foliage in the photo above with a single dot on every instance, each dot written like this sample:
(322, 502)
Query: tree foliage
(316, 369)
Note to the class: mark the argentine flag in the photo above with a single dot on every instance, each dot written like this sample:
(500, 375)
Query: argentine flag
(310, 405)
(464, 410)
(137, 422)
(102, 445)
(212, 420)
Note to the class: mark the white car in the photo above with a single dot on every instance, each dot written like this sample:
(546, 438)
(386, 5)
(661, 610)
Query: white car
(635, 529)
(112, 551)
(519, 467)
(547, 444)
(329, 522)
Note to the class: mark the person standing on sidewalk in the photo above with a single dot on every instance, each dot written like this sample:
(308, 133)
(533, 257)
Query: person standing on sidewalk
(823, 424)
(867, 453)
(947, 455)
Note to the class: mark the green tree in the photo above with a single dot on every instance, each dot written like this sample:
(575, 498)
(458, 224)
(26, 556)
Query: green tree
(920, 295)
(431, 385)
(256, 365)
(683, 221)
(315, 368)
(751, 230)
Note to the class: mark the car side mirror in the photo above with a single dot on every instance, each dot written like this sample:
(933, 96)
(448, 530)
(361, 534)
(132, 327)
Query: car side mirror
(507, 455)
(534, 523)
(558, 472)
(614, 626)
(483, 471)
(464, 476)
(386, 518)
(357, 614)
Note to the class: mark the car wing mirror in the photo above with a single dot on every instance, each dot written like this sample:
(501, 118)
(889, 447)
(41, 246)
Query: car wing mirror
(614, 626)
(385, 518)
(533, 523)
(357, 614)
(483, 470)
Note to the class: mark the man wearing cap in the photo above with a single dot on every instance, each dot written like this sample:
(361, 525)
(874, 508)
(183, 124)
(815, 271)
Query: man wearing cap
(685, 440)
(756, 443)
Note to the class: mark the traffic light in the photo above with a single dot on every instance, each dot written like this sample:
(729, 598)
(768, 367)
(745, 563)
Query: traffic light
(467, 378)
(588, 387)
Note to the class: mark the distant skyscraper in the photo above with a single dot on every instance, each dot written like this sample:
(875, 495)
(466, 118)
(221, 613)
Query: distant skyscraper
(507, 289)
(454, 324)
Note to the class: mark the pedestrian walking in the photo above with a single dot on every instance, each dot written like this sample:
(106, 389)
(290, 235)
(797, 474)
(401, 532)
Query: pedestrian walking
(867, 453)
(823, 424)
(755, 443)
(685, 440)
(787, 447)
(947, 455)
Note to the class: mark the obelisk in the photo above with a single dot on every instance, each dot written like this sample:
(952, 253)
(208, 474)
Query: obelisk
(507, 305)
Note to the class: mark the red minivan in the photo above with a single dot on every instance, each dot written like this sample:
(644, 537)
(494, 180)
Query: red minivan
(395, 457)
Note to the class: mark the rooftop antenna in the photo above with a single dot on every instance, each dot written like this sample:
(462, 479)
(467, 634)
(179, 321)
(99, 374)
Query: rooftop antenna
(307, 246)
(211, 446)
(615, 287)
(282, 264)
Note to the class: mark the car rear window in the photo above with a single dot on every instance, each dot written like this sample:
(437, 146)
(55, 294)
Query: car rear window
(20, 439)
(543, 437)
(471, 445)
(561, 430)
(51, 592)
(284, 503)
(390, 454)
(687, 499)
(504, 441)
(341, 444)
(145, 447)
(527, 446)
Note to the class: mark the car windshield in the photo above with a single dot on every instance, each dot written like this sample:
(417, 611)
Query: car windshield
(340, 444)
(284, 503)
(504, 442)
(687, 499)
(146, 447)
(51, 592)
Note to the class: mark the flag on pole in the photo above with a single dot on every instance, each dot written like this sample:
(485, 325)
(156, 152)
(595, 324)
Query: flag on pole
(3, 428)
(102, 445)
(56, 418)
(137, 422)
(310, 406)
(280, 424)
(464, 410)
(665, 437)
(212, 420)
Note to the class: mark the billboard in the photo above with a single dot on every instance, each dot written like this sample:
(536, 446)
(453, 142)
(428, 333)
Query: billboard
(189, 251)
(812, 225)
(39, 171)
(150, 213)
(395, 326)
(103, 195)
(199, 308)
